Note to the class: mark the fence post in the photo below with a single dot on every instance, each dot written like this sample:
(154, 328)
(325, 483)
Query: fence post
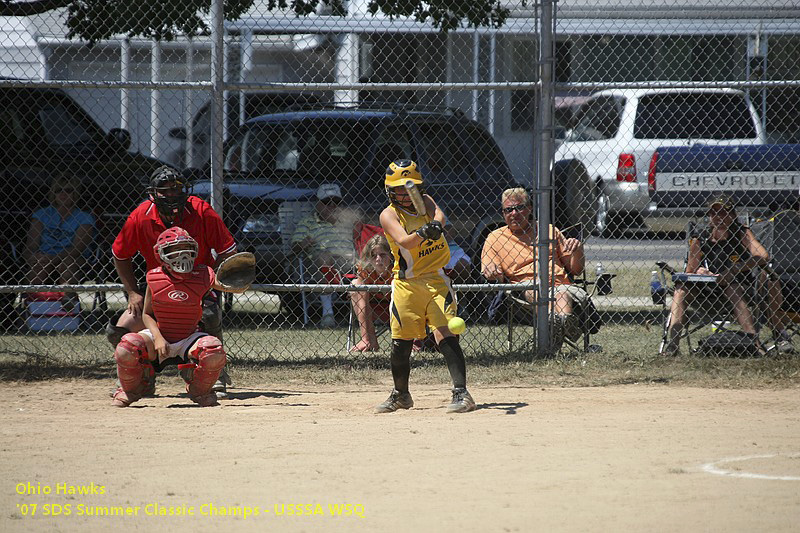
(217, 103)
(546, 59)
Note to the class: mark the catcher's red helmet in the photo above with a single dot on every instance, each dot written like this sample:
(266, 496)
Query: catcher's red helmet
(171, 248)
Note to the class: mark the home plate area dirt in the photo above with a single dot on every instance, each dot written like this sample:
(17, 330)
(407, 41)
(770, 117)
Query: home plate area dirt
(313, 458)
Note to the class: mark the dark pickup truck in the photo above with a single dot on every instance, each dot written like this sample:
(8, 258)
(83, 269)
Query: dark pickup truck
(760, 179)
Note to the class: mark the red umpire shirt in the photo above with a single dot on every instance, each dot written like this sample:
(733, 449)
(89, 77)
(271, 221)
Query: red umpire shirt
(144, 225)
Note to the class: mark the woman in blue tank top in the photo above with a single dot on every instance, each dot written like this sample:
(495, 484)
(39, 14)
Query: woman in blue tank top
(59, 237)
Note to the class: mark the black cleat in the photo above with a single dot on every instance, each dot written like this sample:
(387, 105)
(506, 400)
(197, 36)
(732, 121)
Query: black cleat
(397, 400)
(462, 402)
(220, 388)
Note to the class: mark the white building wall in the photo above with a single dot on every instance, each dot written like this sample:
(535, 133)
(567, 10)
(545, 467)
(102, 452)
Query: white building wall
(19, 54)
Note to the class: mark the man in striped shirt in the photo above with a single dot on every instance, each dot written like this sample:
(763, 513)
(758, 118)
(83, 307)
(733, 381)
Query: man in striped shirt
(324, 240)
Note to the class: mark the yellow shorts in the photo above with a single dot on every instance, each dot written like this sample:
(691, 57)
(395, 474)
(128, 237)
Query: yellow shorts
(417, 302)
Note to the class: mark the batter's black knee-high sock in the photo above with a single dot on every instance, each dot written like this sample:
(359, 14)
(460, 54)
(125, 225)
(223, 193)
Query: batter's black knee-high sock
(451, 350)
(401, 363)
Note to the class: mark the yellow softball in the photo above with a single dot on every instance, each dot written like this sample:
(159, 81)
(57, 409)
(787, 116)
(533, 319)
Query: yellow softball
(456, 325)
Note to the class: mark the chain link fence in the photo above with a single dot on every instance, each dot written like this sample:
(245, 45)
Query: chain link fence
(621, 121)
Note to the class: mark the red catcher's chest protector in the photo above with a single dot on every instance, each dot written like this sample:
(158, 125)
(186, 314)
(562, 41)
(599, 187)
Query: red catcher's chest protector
(178, 301)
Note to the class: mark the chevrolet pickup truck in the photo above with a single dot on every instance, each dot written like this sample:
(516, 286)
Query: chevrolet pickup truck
(760, 179)
(615, 135)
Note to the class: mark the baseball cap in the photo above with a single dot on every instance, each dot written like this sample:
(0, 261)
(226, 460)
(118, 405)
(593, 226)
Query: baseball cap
(329, 190)
(722, 200)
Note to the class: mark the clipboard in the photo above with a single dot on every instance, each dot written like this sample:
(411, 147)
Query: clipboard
(683, 277)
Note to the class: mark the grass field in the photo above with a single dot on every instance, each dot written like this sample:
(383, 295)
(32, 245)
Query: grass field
(318, 356)
(264, 344)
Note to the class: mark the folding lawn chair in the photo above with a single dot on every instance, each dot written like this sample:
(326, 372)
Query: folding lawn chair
(780, 235)
(520, 311)
(333, 276)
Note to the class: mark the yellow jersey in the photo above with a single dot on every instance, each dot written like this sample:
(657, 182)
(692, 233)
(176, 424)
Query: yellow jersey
(426, 258)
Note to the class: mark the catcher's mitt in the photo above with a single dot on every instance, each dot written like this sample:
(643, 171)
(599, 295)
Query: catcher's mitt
(237, 272)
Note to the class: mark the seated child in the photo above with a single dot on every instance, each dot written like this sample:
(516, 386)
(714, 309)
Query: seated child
(374, 268)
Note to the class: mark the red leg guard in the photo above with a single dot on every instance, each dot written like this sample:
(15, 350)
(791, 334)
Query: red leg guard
(133, 368)
(210, 360)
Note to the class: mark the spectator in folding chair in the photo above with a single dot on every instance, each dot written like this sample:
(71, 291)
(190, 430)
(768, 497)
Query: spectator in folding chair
(374, 268)
(59, 238)
(725, 249)
(324, 241)
(509, 254)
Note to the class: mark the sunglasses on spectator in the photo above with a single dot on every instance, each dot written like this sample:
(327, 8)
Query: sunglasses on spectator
(331, 201)
(58, 191)
(512, 208)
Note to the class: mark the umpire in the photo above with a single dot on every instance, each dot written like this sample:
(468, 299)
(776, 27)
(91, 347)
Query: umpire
(169, 204)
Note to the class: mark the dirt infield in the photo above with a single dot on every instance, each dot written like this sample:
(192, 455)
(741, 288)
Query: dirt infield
(638, 457)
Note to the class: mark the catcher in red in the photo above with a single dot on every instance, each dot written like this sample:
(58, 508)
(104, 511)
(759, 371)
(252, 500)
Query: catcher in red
(173, 307)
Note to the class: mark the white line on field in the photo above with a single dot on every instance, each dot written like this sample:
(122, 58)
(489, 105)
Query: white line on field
(713, 468)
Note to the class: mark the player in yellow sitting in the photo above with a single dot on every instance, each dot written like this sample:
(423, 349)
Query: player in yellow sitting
(421, 292)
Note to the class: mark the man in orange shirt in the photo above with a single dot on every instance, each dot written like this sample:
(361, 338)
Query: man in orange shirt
(509, 255)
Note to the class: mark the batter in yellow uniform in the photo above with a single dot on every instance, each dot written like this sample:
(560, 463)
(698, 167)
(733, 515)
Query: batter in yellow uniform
(421, 292)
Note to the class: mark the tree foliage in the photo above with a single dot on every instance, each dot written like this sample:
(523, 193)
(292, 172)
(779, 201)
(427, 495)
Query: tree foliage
(95, 20)
(24, 9)
(446, 14)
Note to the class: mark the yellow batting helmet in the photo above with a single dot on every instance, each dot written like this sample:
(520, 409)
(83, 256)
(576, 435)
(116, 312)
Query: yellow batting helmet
(398, 173)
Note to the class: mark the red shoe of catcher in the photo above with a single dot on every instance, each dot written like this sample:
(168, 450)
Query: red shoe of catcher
(208, 399)
(123, 399)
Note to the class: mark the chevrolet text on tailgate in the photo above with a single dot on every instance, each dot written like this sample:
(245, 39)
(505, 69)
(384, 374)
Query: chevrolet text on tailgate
(760, 179)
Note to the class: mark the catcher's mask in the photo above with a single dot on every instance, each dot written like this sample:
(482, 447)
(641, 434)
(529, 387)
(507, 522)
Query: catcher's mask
(177, 250)
(397, 174)
(169, 190)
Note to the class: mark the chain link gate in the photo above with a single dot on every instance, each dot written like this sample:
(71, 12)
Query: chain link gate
(322, 103)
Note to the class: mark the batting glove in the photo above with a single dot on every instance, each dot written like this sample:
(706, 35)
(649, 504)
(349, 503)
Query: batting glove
(431, 231)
